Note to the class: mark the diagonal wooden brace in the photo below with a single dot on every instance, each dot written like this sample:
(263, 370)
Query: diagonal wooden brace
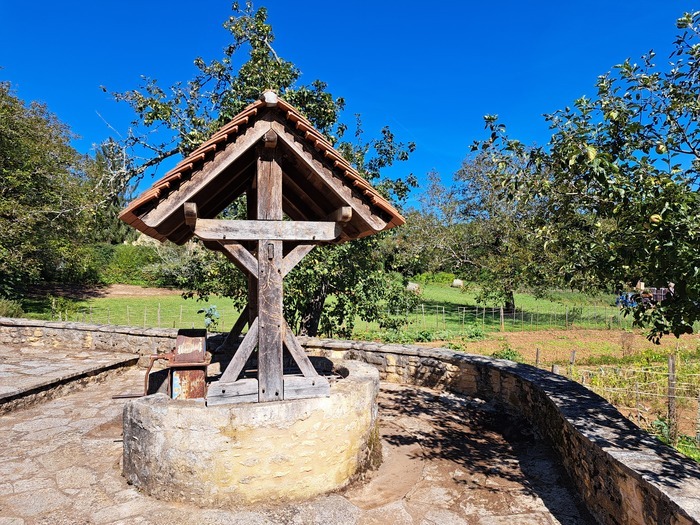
(235, 367)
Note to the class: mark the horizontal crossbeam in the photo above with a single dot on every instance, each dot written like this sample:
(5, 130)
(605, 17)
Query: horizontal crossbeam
(247, 230)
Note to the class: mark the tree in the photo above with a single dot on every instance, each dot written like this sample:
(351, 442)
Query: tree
(191, 112)
(619, 182)
(53, 200)
(471, 228)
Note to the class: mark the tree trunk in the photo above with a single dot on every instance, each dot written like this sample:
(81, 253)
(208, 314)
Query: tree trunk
(509, 301)
(312, 315)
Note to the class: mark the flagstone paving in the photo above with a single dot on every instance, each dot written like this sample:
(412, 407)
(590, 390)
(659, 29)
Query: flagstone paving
(35, 373)
(447, 460)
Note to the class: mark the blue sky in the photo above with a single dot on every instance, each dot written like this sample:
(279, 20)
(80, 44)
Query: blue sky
(428, 70)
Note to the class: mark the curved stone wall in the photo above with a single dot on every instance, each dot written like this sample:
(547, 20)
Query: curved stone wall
(625, 476)
(241, 454)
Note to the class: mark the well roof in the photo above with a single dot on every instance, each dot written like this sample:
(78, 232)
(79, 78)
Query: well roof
(317, 180)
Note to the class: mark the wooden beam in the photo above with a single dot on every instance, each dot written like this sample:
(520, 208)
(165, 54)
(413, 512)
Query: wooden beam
(235, 367)
(241, 391)
(237, 329)
(277, 230)
(269, 177)
(271, 321)
(202, 178)
(241, 257)
(296, 387)
(342, 214)
(297, 352)
(360, 208)
(295, 256)
(190, 209)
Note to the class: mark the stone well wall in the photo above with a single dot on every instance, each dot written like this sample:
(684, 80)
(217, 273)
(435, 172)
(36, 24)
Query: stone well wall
(242, 454)
(624, 476)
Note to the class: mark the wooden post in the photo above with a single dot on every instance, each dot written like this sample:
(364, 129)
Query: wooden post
(269, 285)
(503, 322)
(697, 426)
(672, 413)
(537, 357)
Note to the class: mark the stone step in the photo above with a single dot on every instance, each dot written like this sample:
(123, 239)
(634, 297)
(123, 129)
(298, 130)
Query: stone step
(30, 375)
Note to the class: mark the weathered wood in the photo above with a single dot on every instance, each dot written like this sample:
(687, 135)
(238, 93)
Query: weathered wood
(270, 139)
(297, 352)
(269, 176)
(235, 367)
(241, 257)
(208, 172)
(372, 221)
(190, 209)
(233, 231)
(232, 336)
(241, 391)
(342, 214)
(296, 387)
(270, 317)
(295, 256)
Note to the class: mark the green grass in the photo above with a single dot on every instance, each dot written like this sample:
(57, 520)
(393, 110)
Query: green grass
(442, 308)
(164, 311)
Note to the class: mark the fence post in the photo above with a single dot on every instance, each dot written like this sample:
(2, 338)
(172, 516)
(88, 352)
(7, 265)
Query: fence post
(672, 415)
(537, 360)
(503, 322)
(636, 403)
(566, 319)
(697, 428)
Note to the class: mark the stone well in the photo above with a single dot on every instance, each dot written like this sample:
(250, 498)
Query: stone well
(239, 454)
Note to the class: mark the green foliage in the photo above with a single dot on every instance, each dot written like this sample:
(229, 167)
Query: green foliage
(53, 201)
(434, 277)
(128, 263)
(211, 316)
(334, 285)
(617, 185)
(10, 308)
(508, 353)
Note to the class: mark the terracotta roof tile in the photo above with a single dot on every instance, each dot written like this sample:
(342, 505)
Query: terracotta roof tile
(228, 133)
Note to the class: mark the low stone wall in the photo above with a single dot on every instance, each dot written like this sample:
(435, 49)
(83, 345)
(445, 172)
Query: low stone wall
(625, 476)
(108, 338)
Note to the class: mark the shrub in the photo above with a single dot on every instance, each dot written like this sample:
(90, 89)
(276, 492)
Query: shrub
(508, 353)
(10, 308)
(474, 332)
(127, 264)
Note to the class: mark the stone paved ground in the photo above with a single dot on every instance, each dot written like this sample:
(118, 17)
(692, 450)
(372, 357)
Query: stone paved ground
(39, 372)
(447, 461)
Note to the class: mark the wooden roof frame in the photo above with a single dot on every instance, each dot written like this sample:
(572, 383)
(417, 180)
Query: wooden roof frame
(318, 180)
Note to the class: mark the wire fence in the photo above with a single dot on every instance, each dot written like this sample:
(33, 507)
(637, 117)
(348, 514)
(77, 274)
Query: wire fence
(549, 317)
(149, 316)
(662, 398)
(426, 316)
